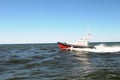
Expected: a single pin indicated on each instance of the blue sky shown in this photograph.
(48, 21)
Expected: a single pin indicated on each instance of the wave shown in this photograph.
(101, 48)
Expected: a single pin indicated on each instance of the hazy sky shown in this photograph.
(38, 21)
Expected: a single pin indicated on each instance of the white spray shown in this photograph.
(100, 49)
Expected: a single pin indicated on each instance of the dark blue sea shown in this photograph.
(48, 62)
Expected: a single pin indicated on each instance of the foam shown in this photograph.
(102, 48)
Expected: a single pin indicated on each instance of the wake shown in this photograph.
(100, 49)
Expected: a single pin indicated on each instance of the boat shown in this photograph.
(83, 43)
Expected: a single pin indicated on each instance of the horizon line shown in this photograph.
(56, 42)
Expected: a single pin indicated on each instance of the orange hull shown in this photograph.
(64, 46)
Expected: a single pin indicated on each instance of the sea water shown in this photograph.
(48, 62)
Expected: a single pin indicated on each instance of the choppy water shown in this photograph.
(47, 62)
